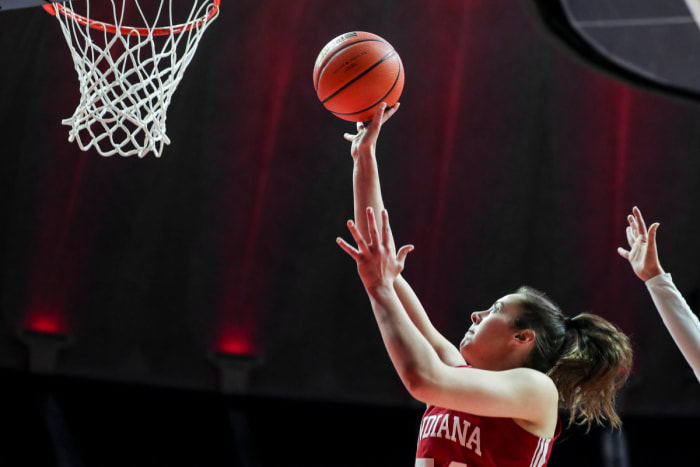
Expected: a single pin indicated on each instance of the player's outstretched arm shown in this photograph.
(521, 393)
(367, 192)
(681, 322)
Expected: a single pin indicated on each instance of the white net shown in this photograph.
(128, 72)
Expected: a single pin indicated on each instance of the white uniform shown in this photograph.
(681, 322)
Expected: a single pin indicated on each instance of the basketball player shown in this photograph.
(495, 399)
(681, 322)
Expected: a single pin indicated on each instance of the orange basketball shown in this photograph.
(355, 72)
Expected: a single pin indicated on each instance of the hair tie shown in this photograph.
(567, 322)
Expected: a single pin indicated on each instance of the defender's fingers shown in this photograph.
(348, 249)
(640, 220)
(630, 237)
(349, 136)
(361, 243)
(652, 233)
(372, 225)
(624, 253)
(633, 224)
(360, 126)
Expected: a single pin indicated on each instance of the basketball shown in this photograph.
(355, 72)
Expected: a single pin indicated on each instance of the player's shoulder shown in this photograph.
(522, 375)
(525, 378)
(529, 377)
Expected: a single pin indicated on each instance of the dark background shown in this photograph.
(509, 163)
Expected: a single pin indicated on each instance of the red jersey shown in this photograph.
(448, 438)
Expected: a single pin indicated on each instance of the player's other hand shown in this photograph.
(377, 264)
(642, 255)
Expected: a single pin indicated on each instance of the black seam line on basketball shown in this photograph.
(328, 59)
(398, 75)
(358, 77)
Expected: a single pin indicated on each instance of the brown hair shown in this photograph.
(587, 357)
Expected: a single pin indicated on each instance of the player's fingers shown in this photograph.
(386, 229)
(390, 111)
(361, 244)
(348, 249)
(349, 137)
(360, 126)
(403, 252)
(378, 116)
(372, 225)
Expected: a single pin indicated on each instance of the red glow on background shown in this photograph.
(47, 321)
(620, 206)
(236, 345)
(239, 303)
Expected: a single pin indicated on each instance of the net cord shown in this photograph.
(124, 98)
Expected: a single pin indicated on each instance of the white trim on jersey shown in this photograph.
(539, 458)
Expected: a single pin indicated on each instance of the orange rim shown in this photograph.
(55, 8)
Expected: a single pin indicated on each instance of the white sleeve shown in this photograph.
(681, 322)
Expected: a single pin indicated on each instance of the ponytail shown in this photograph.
(595, 364)
(588, 358)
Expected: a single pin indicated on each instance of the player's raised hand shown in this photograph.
(365, 140)
(642, 255)
(376, 262)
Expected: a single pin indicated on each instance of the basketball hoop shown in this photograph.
(128, 74)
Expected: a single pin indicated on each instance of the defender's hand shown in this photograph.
(642, 255)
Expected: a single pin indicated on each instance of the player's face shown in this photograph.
(491, 336)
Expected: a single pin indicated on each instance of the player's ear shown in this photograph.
(525, 336)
